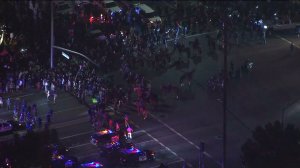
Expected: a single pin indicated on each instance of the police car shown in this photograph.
(133, 156)
(60, 156)
(91, 165)
(5, 127)
(103, 137)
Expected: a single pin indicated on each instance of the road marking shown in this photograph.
(69, 123)
(77, 146)
(75, 135)
(286, 40)
(51, 102)
(193, 35)
(60, 111)
(183, 137)
(169, 163)
(139, 131)
(167, 148)
(18, 96)
(140, 143)
(161, 144)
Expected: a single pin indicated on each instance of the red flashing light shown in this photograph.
(91, 19)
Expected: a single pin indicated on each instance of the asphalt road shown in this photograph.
(175, 128)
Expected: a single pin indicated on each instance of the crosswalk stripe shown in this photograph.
(75, 135)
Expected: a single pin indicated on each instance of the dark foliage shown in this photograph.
(29, 150)
(273, 146)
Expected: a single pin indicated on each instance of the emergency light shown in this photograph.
(94, 101)
(65, 55)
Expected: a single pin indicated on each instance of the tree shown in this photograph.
(273, 146)
(29, 150)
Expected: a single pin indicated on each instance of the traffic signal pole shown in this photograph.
(52, 38)
(225, 78)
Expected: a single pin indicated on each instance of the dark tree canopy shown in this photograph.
(273, 146)
(29, 150)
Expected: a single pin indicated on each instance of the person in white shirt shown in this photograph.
(129, 132)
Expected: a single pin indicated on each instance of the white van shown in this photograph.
(149, 13)
(112, 6)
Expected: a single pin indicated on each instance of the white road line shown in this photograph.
(18, 96)
(161, 144)
(60, 111)
(139, 131)
(143, 142)
(51, 102)
(167, 148)
(173, 130)
(169, 163)
(183, 137)
(75, 135)
(69, 123)
(26, 95)
(88, 132)
(77, 146)
(286, 40)
(193, 35)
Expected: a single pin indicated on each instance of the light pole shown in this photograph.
(52, 46)
(225, 93)
(52, 38)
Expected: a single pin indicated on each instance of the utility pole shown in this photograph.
(225, 91)
(52, 37)
(201, 155)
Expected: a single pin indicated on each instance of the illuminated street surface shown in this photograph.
(175, 128)
(198, 119)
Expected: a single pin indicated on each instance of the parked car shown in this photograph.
(133, 156)
(103, 137)
(5, 127)
(60, 156)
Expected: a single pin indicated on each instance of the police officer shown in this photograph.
(292, 48)
(8, 103)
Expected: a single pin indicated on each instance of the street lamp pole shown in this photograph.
(225, 78)
(52, 38)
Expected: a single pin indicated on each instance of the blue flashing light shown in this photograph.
(92, 164)
(137, 10)
(105, 131)
(132, 150)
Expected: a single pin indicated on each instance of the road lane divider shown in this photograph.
(288, 41)
(75, 135)
(167, 148)
(80, 145)
(184, 138)
(68, 109)
(69, 123)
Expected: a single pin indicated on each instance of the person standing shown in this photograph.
(292, 48)
(126, 121)
(117, 128)
(8, 103)
(48, 94)
(129, 132)
(54, 96)
(1, 102)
